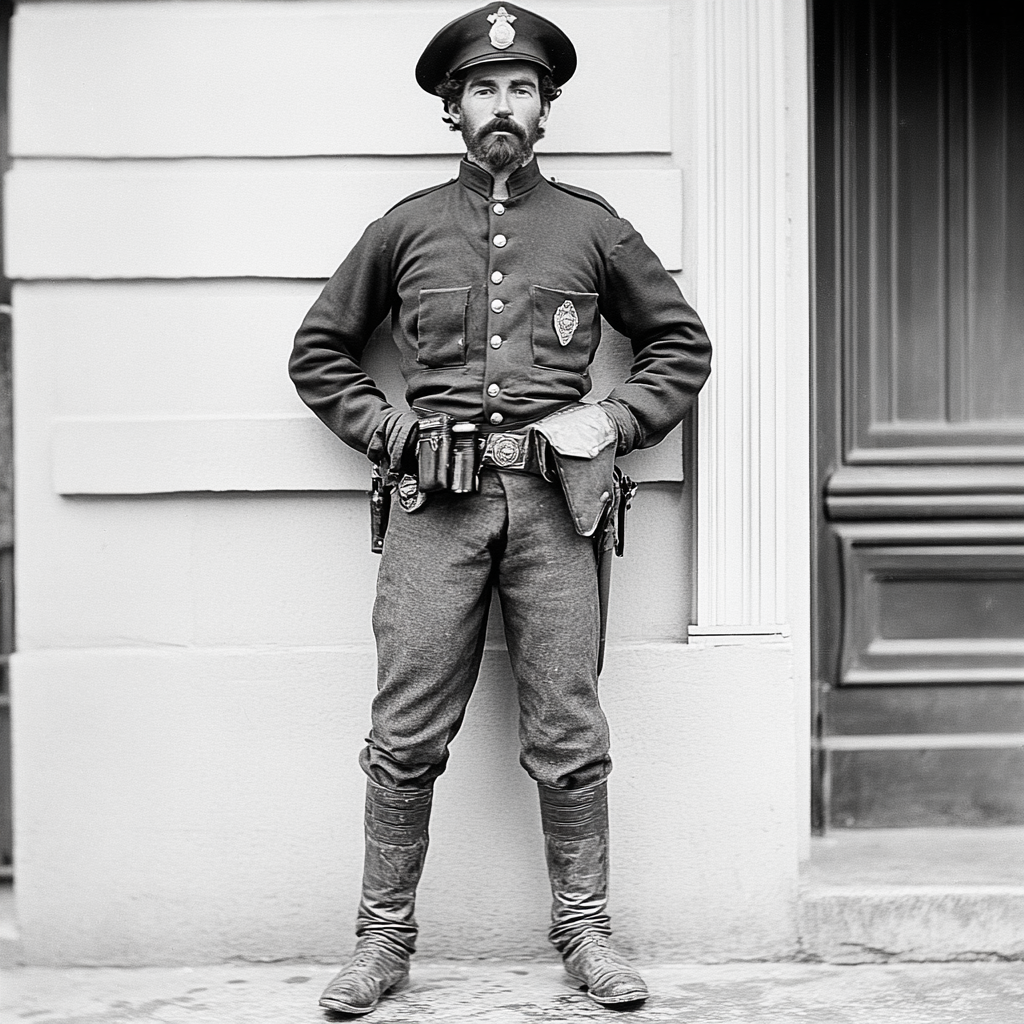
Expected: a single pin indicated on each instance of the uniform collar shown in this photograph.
(475, 178)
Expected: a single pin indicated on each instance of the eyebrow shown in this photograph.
(494, 81)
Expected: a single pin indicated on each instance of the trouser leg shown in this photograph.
(396, 838)
(433, 592)
(429, 619)
(547, 580)
(548, 587)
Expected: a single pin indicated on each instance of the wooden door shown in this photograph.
(919, 562)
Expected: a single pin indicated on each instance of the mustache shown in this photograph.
(501, 124)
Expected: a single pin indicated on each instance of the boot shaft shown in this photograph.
(397, 817)
(574, 814)
(575, 824)
(396, 830)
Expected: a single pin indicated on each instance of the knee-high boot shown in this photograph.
(396, 844)
(576, 844)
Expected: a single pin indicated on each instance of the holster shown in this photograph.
(609, 540)
(576, 447)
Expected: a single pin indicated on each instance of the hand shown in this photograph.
(408, 461)
(626, 427)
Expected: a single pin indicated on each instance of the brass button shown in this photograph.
(495, 341)
(497, 305)
(500, 240)
(493, 390)
(499, 209)
(497, 277)
(496, 418)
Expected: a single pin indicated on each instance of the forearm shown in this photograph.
(662, 385)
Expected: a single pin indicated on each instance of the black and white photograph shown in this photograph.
(511, 513)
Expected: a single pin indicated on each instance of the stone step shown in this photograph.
(10, 947)
(878, 895)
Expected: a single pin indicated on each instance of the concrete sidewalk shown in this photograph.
(509, 993)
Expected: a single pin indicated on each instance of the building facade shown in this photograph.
(194, 659)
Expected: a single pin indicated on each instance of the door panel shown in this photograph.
(932, 153)
(919, 562)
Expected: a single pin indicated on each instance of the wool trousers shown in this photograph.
(438, 569)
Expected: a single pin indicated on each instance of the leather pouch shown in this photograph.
(576, 446)
(434, 452)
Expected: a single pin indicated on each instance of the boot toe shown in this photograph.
(619, 990)
(360, 984)
(349, 995)
(610, 980)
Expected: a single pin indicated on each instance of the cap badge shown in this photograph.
(566, 321)
(502, 33)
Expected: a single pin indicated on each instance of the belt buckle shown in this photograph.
(507, 451)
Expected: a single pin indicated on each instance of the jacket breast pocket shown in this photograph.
(566, 328)
(441, 326)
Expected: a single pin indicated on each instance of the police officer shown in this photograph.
(496, 283)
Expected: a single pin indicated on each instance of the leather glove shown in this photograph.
(580, 430)
(626, 426)
(395, 440)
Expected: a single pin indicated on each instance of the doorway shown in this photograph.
(919, 407)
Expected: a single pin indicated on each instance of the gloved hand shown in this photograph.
(626, 426)
(395, 440)
(580, 430)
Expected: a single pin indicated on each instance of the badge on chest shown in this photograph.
(566, 321)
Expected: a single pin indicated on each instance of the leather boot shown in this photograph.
(576, 844)
(396, 844)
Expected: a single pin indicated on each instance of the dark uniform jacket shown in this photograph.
(473, 287)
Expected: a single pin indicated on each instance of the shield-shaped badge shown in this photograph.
(502, 33)
(566, 321)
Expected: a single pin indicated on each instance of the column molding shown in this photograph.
(752, 289)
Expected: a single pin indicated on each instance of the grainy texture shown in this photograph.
(503, 993)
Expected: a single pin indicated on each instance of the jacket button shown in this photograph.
(500, 240)
(496, 418)
(497, 305)
(499, 209)
(495, 341)
(497, 277)
(493, 390)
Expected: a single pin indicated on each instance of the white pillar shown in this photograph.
(752, 290)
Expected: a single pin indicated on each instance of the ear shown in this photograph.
(454, 111)
(545, 109)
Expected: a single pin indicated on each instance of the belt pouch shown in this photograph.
(465, 458)
(434, 452)
(578, 443)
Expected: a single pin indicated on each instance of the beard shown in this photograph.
(500, 152)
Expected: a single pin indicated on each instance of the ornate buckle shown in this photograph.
(506, 451)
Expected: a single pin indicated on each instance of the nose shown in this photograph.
(502, 107)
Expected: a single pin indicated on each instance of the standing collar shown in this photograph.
(475, 178)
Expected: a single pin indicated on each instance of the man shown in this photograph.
(496, 283)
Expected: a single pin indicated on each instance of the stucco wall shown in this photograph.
(204, 805)
(194, 580)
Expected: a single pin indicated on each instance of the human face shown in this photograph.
(500, 113)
